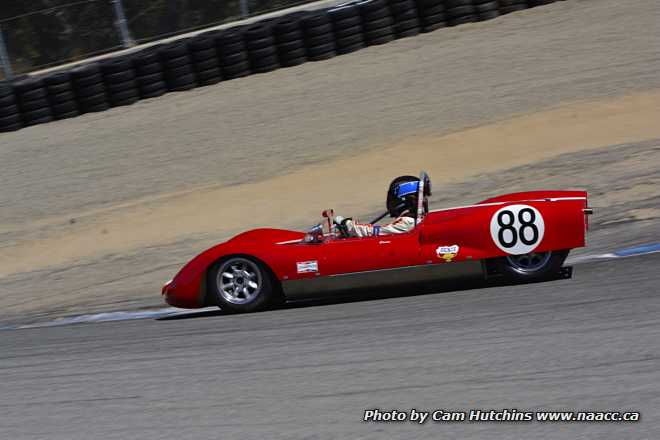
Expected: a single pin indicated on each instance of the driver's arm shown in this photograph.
(398, 226)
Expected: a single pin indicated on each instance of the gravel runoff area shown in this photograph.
(65, 179)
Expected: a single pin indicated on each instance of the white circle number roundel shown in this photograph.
(517, 229)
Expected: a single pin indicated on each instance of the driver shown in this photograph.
(401, 205)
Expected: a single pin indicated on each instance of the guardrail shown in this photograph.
(220, 55)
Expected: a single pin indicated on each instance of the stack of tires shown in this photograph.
(319, 36)
(289, 40)
(377, 21)
(232, 52)
(261, 48)
(460, 12)
(205, 59)
(486, 9)
(61, 95)
(10, 114)
(33, 101)
(431, 14)
(178, 67)
(533, 3)
(406, 21)
(508, 6)
(149, 73)
(90, 88)
(120, 81)
(347, 24)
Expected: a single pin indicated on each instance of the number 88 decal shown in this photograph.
(517, 229)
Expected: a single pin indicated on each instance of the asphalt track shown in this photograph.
(310, 370)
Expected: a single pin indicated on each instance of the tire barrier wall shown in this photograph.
(219, 55)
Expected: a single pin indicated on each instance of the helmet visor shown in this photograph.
(407, 188)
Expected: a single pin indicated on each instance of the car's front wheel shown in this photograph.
(241, 284)
(531, 266)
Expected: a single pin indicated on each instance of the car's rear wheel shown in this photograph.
(241, 284)
(531, 266)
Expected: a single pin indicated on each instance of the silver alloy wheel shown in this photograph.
(529, 263)
(239, 280)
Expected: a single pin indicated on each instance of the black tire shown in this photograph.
(434, 26)
(381, 40)
(512, 268)
(296, 35)
(206, 64)
(463, 20)
(7, 100)
(432, 10)
(433, 19)
(345, 32)
(317, 40)
(410, 32)
(10, 127)
(156, 92)
(37, 113)
(92, 101)
(290, 46)
(9, 110)
(149, 69)
(315, 51)
(234, 58)
(403, 26)
(318, 30)
(377, 24)
(10, 119)
(267, 294)
(460, 11)
(93, 108)
(293, 61)
(116, 65)
(64, 96)
(348, 22)
(34, 104)
(486, 7)
(352, 48)
(151, 78)
(64, 107)
(173, 63)
(183, 82)
(176, 72)
(147, 89)
(350, 40)
(66, 115)
(209, 74)
(512, 8)
(344, 12)
(92, 89)
(120, 87)
(378, 33)
(489, 15)
(199, 43)
(534, 3)
(237, 70)
(204, 55)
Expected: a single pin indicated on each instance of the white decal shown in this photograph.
(517, 229)
(447, 253)
(307, 266)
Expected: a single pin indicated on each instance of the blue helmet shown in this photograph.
(402, 195)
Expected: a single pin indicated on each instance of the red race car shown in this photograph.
(521, 236)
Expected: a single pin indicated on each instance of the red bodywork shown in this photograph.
(466, 227)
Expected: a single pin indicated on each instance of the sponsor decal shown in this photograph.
(447, 253)
(307, 266)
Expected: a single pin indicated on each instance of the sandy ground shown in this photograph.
(103, 208)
